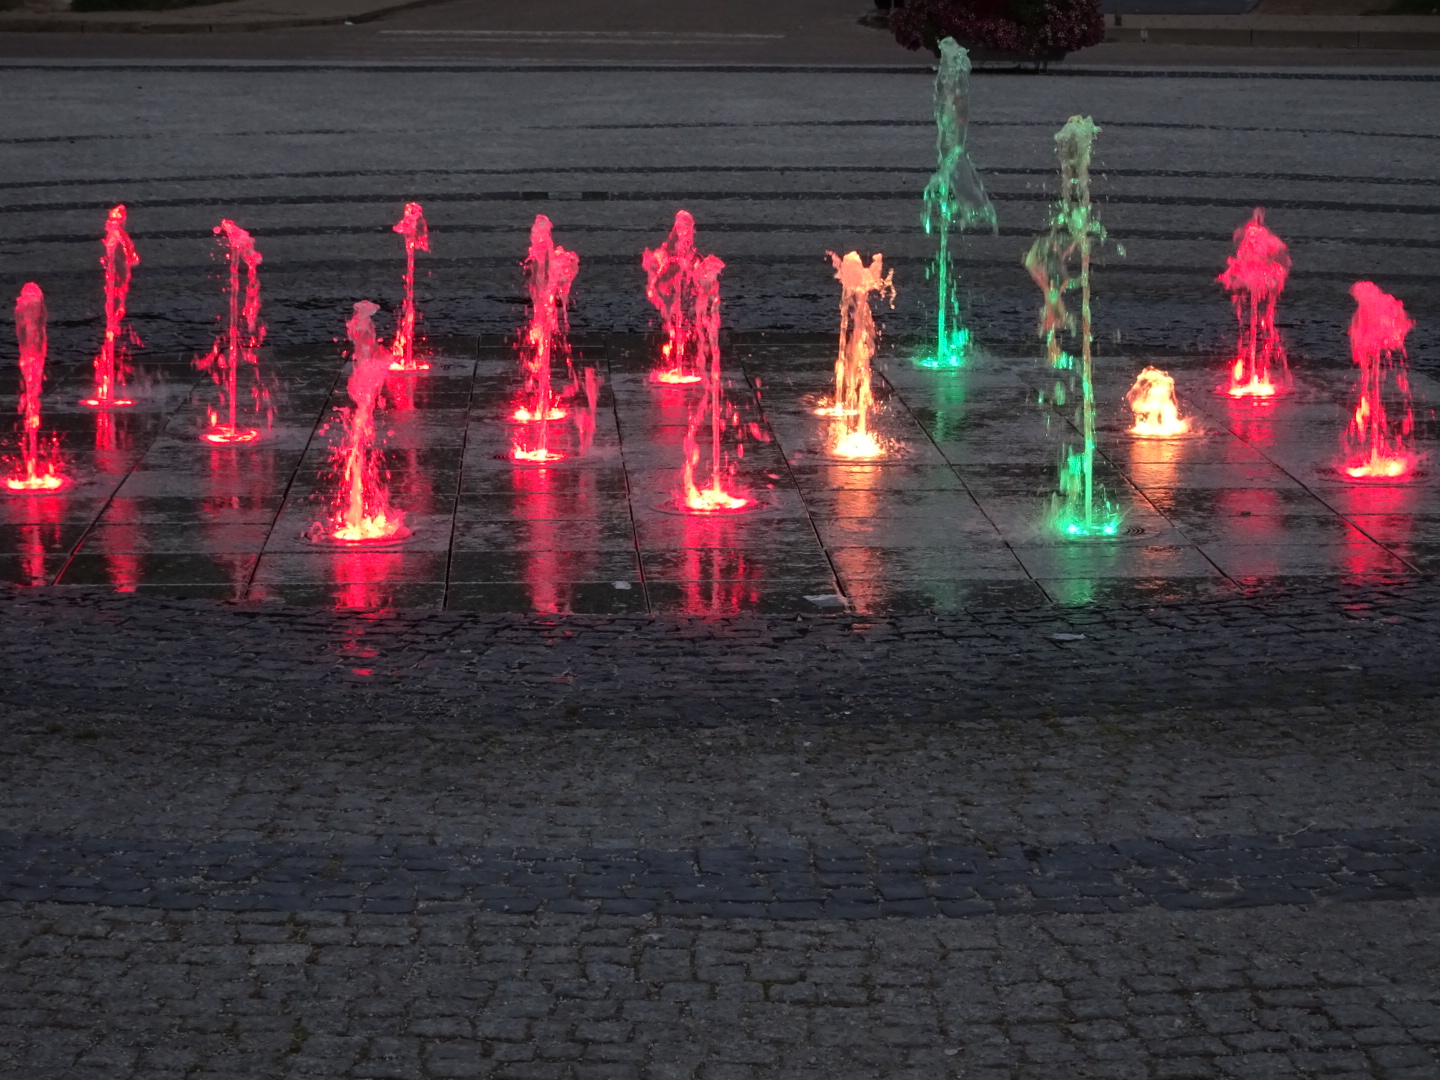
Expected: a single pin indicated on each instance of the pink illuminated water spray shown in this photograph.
(549, 272)
(364, 512)
(417, 238)
(112, 361)
(673, 283)
(1377, 446)
(718, 494)
(1255, 277)
(239, 345)
(38, 469)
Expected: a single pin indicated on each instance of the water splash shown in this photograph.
(585, 414)
(38, 469)
(112, 362)
(1059, 261)
(239, 345)
(1375, 446)
(853, 401)
(1255, 277)
(549, 271)
(417, 238)
(1152, 400)
(954, 199)
(674, 274)
(716, 496)
(363, 511)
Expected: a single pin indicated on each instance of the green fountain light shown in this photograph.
(1059, 261)
(954, 199)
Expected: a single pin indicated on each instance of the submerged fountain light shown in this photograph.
(549, 271)
(851, 405)
(675, 276)
(1255, 277)
(1059, 261)
(240, 344)
(363, 512)
(417, 238)
(719, 493)
(119, 259)
(1376, 446)
(954, 199)
(1152, 400)
(38, 469)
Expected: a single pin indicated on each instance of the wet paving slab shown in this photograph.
(953, 516)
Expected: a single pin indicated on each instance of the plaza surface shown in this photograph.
(955, 515)
(1158, 807)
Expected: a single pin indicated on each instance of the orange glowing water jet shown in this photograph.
(1375, 446)
(851, 405)
(549, 272)
(364, 513)
(112, 361)
(674, 281)
(710, 406)
(38, 469)
(1255, 277)
(1152, 400)
(239, 345)
(417, 238)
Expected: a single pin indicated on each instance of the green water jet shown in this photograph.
(955, 200)
(1059, 261)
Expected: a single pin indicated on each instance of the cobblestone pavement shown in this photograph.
(989, 842)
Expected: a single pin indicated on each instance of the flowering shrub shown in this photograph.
(1036, 28)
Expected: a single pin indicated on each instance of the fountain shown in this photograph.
(1374, 446)
(417, 238)
(112, 361)
(954, 199)
(38, 469)
(674, 274)
(549, 271)
(703, 328)
(1255, 277)
(363, 512)
(1152, 400)
(852, 402)
(239, 345)
(585, 415)
(1082, 507)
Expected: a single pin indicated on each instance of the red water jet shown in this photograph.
(417, 238)
(363, 512)
(549, 272)
(711, 405)
(1255, 277)
(112, 361)
(1374, 446)
(673, 282)
(38, 469)
(239, 345)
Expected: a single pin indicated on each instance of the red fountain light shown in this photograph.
(1152, 400)
(417, 238)
(673, 274)
(1255, 277)
(239, 345)
(853, 401)
(112, 361)
(1375, 447)
(711, 405)
(364, 513)
(38, 469)
(549, 271)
